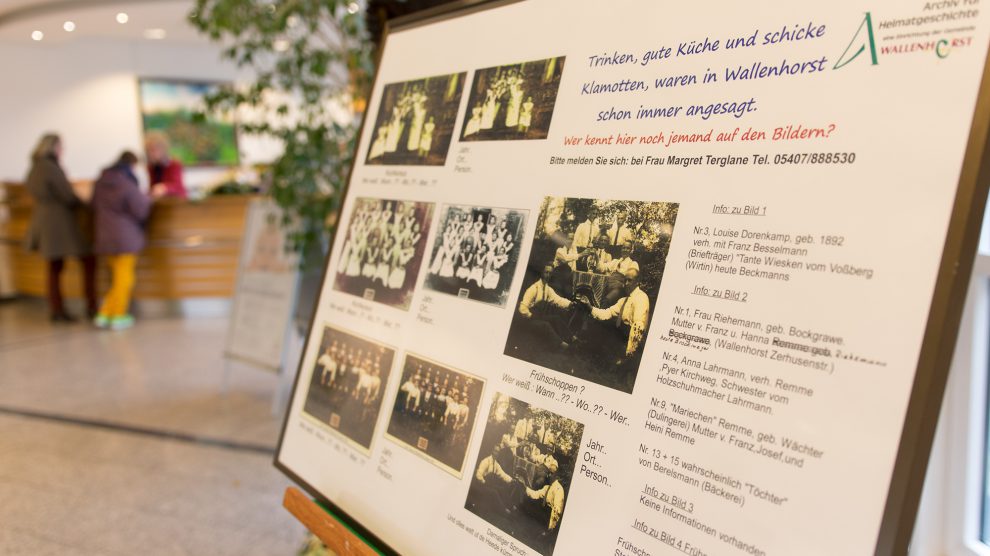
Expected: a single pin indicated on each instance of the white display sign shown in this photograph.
(266, 287)
(643, 277)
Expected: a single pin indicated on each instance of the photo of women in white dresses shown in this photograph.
(475, 253)
(513, 102)
(383, 250)
(415, 121)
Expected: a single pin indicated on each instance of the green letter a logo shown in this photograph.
(861, 42)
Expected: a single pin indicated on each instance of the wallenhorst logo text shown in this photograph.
(940, 47)
(864, 40)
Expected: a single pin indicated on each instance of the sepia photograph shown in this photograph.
(434, 412)
(475, 253)
(348, 383)
(415, 122)
(590, 287)
(383, 250)
(513, 102)
(524, 470)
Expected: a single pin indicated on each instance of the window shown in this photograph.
(954, 517)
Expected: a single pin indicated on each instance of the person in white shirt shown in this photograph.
(489, 467)
(618, 233)
(597, 259)
(618, 268)
(624, 262)
(551, 495)
(630, 314)
(537, 308)
(586, 231)
(540, 293)
(329, 364)
(566, 254)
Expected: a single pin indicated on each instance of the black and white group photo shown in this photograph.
(434, 412)
(524, 470)
(591, 286)
(415, 121)
(475, 252)
(513, 102)
(348, 383)
(383, 250)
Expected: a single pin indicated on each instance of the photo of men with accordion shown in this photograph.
(591, 284)
(523, 472)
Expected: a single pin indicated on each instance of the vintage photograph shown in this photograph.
(170, 107)
(475, 253)
(590, 287)
(383, 250)
(513, 102)
(348, 382)
(434, 412)
(415, 121)
(523, 475)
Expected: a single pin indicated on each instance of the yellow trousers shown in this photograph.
(118, 299)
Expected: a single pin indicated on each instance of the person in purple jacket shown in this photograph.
(120, 209)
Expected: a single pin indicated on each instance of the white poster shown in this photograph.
(266, 286)
(637, 277)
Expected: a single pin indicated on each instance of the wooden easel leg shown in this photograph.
(333, 533)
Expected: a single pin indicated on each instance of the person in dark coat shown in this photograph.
(55, 230)
(121, 210)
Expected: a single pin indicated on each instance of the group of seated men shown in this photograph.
(521, 473)
(623, 306)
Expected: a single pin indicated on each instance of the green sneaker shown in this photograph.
(121, 323)
(101, 321)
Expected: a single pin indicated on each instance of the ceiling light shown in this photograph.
(154, 34)
(122, 18)
(37, 35)
(69, 26)
(353, 8)
(280, 45)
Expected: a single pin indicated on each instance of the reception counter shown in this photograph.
(192, 249)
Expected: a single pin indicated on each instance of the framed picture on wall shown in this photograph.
(169, 106)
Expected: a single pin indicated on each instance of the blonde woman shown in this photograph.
(55, 230)
(164, 173)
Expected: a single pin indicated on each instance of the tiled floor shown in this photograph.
(77, 489)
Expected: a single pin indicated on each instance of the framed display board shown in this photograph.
(267, 277)
(648, 278)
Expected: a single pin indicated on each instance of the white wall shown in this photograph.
(86, 90)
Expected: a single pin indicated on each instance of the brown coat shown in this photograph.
(55, 229)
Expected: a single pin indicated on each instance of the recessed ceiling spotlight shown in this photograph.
(69, 26)
(122, 18)
(37, 35)
(280, 45)
(353, 8)
(155, 34)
